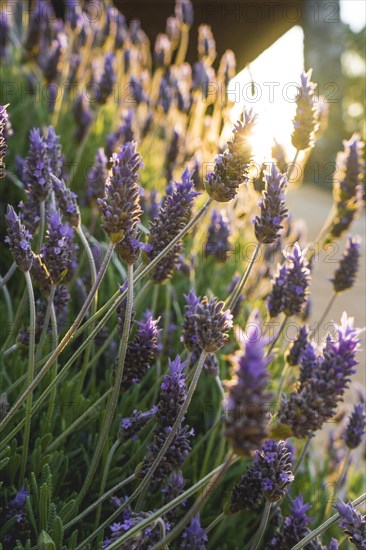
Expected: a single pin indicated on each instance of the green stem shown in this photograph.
(155, 515)
(302, 455)
(215, 522)
(178, 421)
(293, 163)
(42, 214)
(113, 400)
(197, 505)
(8, 303)
(262, 528)
(65, 340)
(46, 323)
(17, 320)
(104, 479)
(99, 501)
(108, 309)
(237, 291)
(54, 367)
(30, 374)
(93, 271)
(325, 526)
(326, 311)
(8, 275)
(274, 341)
(282, 380)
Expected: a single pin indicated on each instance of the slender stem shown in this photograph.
(215, 522)
(262, 528)
(113, 400)
(42, 214)
(65, 340)
(10, 350)
(145, 482)
(197, 505)
(100, 500)
(221, 389)
(274, 341)
(324, 526)
(326, 311)
(108, 309)
(30, 373)
(339, 478)
(183, 45)
(46, 323)
(8, 302)
(8, 275)
(302, 455)
(282, 380)
(93, 271)
(293, 164)
(18, 317)
(104, 479)
(235, 295)
(54, 367)
(144, 523)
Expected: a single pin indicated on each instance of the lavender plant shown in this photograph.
(129, 406)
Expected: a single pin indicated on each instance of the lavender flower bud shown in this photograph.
(131, 426)
(51, 59)
(212, 324)
(120, 206)
(189, 337)
(298, 279)
(345, 275)
(247, 494)
(175, 455)
(353, 523)
(218, 237)
(232, 166)
(273, 209)
(172, 153)
(246, 422)
(61, 302)
(355, 428)
(174, 214)
(346, 213)
(194, 537)
(323, 381)
(37, 168)
(96, 177)
(3, 134)
(350, 166)
(130, 247)
(56, 252)
(279, 155)
(206, 44)
(174, 487)
(273, 466)
(172, 393)
(19, 240)
(40, 275)
(67, 202)
(184, 12)
(54, 152)
(227, 68)
(305, 121)
(275, 297)
(140, 352)
(297, 347)
(295, 528)
(162, 51)
(107, 80)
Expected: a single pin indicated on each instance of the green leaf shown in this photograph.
(44, 504)
(45, 542)
(58, 532)
(66, 509)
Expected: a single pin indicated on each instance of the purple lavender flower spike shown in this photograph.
(120, 206)
(5, 130)
(172, 393)
(141, 351)
(194, 536)
(19, 240)
(212, 324)
(189, 337)
(82, 116)
(273, 466)
(184, 12)
(174, 214)
(54, 152)
(162, 51)
(246, 407)
(275, 297)
(273, 208)
(132, 425)
(16, 509)
(322, 383)
(355, 428)
(67, 202)
(51, 59)
(56, 252)
(232, 166)
(353, 523)
(107, 80)
(297, 347)
(345, 275)
(294, 528)
(247, 493)
(298, 278)
(305, 121)
(97, 177)
(37, 168)
(218, 234)
(206, 43)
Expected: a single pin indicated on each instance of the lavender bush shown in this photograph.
(145, 400)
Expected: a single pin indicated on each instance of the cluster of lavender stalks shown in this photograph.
(125, 340)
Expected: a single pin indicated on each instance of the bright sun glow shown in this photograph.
(276, 75)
